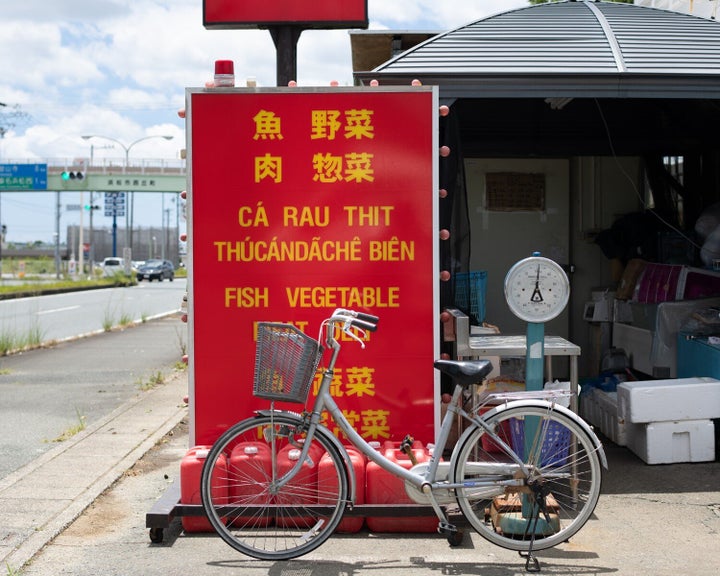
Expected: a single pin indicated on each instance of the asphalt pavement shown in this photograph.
(80, 509)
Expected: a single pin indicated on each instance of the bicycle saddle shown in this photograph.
(464, 372)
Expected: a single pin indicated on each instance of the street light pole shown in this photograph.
(127, 148)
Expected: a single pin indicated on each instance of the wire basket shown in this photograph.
(556, 443)
(285, 362)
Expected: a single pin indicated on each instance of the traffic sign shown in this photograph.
(23, 176)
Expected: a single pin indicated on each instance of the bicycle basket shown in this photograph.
(285, 362)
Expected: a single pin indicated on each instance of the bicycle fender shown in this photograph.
(325, 433)
(566, 411)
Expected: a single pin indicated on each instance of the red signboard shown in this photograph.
(301, 201)
(314, 14)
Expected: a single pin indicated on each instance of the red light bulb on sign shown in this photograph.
(224, 74)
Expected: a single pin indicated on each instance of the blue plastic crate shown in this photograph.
(470, 294)
(555, 446)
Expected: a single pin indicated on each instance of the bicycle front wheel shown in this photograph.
(250, 510)
(558, 497)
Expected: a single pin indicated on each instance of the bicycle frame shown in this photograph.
(427, 483)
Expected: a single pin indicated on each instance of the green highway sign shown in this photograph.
(121, 182)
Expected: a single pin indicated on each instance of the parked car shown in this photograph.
(112, 266)
(156, 270)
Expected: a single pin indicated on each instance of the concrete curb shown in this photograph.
(43, 497)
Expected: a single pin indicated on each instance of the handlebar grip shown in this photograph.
(364, 325)
(367, 317)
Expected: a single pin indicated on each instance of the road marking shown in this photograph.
(58, 310)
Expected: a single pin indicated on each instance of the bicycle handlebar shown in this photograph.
(360, 320)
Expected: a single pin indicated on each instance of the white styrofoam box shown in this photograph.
(637, 342)
(673, 442)
(588, 407)
(610, 422)
(677, 399)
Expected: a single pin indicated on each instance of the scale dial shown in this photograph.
(537, 289)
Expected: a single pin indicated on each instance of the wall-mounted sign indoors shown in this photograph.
(227, 14)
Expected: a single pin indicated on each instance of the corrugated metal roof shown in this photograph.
(604, 43)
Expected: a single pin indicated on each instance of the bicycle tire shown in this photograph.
(566, 473)
(245, 508)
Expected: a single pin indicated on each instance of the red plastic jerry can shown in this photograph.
(328, 482)
(249, 471)
(302, 489)
(384, 488)
(190, 474)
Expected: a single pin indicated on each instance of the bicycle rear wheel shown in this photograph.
(560, 494)
(246, 507)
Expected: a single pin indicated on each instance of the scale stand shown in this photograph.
(536, 290)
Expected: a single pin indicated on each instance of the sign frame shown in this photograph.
(221, 335)
(34, 175)
(323, 14)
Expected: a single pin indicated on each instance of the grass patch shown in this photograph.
(154, 380)
(12, 342)
(125, 319)
(73, 430)
(37, 288)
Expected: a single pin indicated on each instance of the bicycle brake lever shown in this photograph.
(346, 329)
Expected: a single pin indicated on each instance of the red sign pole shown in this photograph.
(300, 201)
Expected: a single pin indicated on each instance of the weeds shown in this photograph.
(73, 430)
(125, 319)
(155, 380)
(11, 341)
(181, 341)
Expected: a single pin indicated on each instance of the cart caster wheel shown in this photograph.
(456, 538)
(156, 535)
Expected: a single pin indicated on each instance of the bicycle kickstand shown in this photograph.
(532, 564)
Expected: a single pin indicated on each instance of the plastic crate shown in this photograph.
(555, 446)
(470, 294)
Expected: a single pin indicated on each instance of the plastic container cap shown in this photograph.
(224, 67)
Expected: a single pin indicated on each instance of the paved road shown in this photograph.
(651, 520)
(61, 316)
(46, 392)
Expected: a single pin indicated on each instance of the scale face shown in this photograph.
(537, 289)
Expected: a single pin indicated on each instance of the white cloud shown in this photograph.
(119, 68)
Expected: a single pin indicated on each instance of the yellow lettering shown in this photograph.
(306, 216)
(343, 296)
(392, 250)
(368, 215)
(246, 297)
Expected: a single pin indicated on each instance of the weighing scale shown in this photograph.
(536, 290)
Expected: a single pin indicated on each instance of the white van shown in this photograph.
(112, 266)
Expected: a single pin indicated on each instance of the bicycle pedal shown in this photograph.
(452, 534)
(447, 529)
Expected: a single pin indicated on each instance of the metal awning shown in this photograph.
(573, 49)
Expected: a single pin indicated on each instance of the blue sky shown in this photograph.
(119, 68)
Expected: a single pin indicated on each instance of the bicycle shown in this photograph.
(525, 474)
